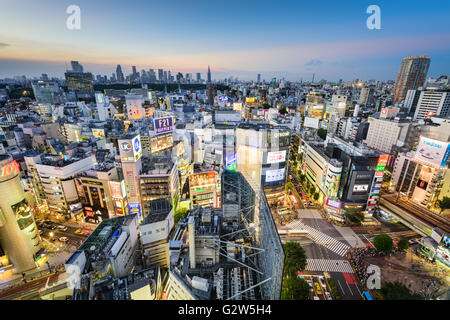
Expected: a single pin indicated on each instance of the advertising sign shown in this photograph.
(11, 168)
(163, 125)
(334, 203)
(98, 133)
(274, 175)
(276, 156)
(116, 190)
(231, 163)
(311, 123)
(433, 151)
(202, 182)
(161, 143)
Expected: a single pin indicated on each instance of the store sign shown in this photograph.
(125, 146)
(163, 125)
(276, 156)
(334, 203)
(11, 168)
(360, 187)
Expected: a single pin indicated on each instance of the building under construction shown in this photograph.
(232, 253)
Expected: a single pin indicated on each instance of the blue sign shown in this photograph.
(163, 125)
(136, 144)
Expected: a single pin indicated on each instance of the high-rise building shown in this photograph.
(412, 74)
(160, 75)
(209, 75)
(432, 103)
(199, 77)
(76, 66)
(79, 81)
(259, 78)
(18, 231)
(119, 74)
(45, 91)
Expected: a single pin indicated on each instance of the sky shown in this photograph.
(292, 39)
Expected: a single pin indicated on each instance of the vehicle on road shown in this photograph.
(63, 239)
(322, 281)
(328, 296)
(62, 228)
(317, 286)
(50, 226)
(316, 298)
(310, 284)
(78, 231)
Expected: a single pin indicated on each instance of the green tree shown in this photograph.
(383, 243)
(294, 288)
(289, 186)
(397, 291)
(316, 196)
(354, 216)
(178, 215)
(403, 245)
(322, 133)
(295, 258)
(302, 177)
(444, 203)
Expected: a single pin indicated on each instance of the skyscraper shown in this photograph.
(160, 74)
(119, 74)
(413, 71)
(259, 78)
(209, 75)
(76, 67)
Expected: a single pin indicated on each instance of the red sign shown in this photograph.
(10, 168)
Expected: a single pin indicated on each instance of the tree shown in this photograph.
(397, 291)
(354, 215)
(444, 203)
(383, 243)
(316, 196)
(322, 133)
(289, 186)
(312, 190)
(294, 288)
(302, 177)
(178, 215)
(295, 258)
(403, 245)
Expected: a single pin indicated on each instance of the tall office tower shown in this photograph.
(18, 231)
(119, 74)
(259, 78)
(134, 69)
(209, 75)
(79, 81)
(45, 91)
(76, 67)
(44, 77)
(412, 74)
(199, 77)
(160, 74)
(165, 76)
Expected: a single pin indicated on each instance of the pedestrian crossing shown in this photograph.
(328, 265)
(321, 238)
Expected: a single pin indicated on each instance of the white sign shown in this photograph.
(433, 151)
(276, 156)
(274, 175)
(360, 187)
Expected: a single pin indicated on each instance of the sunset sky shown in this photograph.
(291, 39)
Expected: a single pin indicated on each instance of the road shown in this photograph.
(326, 249)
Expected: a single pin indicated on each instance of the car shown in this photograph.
(322, 281)
(310, 284)
(316, 298)
(50, 227)
(86, 231)
(78, 231)
(317, 286)
(328, 296)
(63, 239)
(62, 228)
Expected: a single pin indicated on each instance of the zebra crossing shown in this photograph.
(328, 265)
(321, 238)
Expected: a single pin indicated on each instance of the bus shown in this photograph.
(367, 296)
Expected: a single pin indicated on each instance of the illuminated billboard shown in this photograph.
(274, 175)
(433, 151)
(360, 187)
(98, 133)
(117, 189)
(334, 203)
(163, 125)
(231, 162)
(161, 143)
(276, 156)
(130, 149)
(204, 182)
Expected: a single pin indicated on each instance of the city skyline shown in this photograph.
(294, 45)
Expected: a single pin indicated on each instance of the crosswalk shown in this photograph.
(328, 265)
(321, 238)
